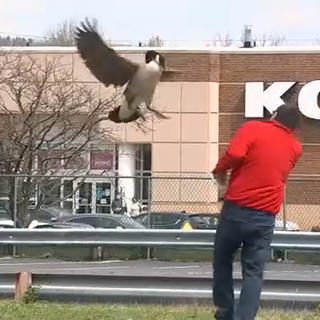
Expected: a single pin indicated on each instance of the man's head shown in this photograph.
(289, 116)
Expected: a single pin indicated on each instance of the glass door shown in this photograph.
(83, 197)
(67, 194)
(103, 197)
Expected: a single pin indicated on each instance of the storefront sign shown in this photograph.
(257, 98)
(100, 160)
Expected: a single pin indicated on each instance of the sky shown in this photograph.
(181, 22)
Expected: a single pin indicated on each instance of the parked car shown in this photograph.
(290, 226)
(49, 214)
(172, 220)
(211, 219)
(6, 221)
(109, 221)
(54, 225)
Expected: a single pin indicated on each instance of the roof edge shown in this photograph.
(221, 50)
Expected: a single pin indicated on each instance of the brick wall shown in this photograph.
(193, 67)
(232, 71)
(235, 70)
(241, 67)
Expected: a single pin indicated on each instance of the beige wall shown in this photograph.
(192, 127)
(185, 144)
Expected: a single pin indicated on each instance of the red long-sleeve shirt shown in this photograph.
(261, 156)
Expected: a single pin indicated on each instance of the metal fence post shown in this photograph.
(149, 211)
(15, 209)
(285, 253)
(285, 209)
(15, 198)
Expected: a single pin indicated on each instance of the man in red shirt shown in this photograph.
(260, 156)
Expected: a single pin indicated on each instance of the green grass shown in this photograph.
(52, 311)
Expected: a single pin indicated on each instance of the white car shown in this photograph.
(34, 223)
(54, 225)
(290, 226)
(6, 223)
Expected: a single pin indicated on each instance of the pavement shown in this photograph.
(281, 271)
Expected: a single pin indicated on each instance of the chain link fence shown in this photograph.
(21, 197)
(24, 199)
(302, 203)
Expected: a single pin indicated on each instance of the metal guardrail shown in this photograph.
(74, 287)
(156, 289)
(145, 238)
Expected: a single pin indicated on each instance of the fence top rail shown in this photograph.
(99, 176)
(149, 232)
(308, 177)
(194, 176)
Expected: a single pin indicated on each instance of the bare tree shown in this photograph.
(222, 40)
(15, 41)
(270, 40)
(48, 122)
(155, 41)
(63, 34)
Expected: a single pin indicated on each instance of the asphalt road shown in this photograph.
(281, 270)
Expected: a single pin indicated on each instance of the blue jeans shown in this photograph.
(253, 229)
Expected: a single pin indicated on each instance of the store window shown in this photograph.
(4, 187)
(143, 173)
(68, 194)
(76, 161)
(48, 160)
(49, 191)
(84, 197)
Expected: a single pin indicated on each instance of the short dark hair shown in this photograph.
(288, 116)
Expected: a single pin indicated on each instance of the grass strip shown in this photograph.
(54, 311)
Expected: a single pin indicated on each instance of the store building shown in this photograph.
(215, 91)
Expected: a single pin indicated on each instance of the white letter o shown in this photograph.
(308, 100)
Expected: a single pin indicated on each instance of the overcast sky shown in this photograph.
(175, 20)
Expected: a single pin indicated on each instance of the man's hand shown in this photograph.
(221, 178)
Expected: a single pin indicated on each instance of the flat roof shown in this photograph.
(256, 50)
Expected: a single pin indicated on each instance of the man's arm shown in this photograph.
(237, 149)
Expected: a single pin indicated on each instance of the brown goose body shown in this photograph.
(110, 68)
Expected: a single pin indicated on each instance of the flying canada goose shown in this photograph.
(110, 68)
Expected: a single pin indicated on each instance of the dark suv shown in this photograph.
(172, 220)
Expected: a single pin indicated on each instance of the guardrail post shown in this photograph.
(23, 283)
